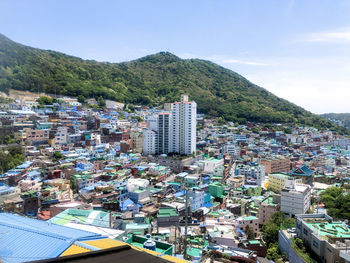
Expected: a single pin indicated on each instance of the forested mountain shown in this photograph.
(150, 80)
(344, 118)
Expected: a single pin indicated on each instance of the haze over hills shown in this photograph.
(150, 80)
(343, 118)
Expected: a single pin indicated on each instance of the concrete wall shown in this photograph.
(284, 246)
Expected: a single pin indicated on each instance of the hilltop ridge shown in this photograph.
(150, 80)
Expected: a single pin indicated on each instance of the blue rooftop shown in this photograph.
(24, 165)
(26, 239)
(181, 193)
(124, 205)
(303, 171)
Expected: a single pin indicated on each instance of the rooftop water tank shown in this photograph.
(149, 244)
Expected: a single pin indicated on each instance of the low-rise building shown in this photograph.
(167, 217)
(277, 165)
(251, 221)
(267, 208)
(277, 181)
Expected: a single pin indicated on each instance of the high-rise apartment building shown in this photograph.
(149, 142)
(164, 131)
(184, 125)
(175, 128)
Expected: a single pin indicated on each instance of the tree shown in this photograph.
(270, 232)
(101, 102)
(56, 156)
(221, 121)
(272, 252)
(277, 218)
(10, 158)
(332, 191)
(299, 243)
(249, 232)
(8, 139)
(81, 99)
(131, 108)
(337, 202)
(46, 100)
(276, 222)
(288, 223)
(138, 118)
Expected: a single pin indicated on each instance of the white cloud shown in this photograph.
(244, 62)
(225, 60)
(337, 36)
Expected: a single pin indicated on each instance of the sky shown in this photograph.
(299, 50)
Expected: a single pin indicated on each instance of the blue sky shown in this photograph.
(297, 49)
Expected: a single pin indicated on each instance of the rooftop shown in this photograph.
(167, 212)
(269, 201)
(325, 229)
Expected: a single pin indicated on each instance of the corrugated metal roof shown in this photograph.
(43, 227)
(24, 239)
(74, 249)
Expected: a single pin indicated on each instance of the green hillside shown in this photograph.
(150, 80)
(344, 118)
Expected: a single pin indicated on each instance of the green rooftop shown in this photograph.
(281, 175)
(249, 218)
(324, 229)
(269, 201)
(194, 252)
(167, 212)
(254, 242)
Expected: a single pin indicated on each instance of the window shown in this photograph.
(305, 231)
(315, 243)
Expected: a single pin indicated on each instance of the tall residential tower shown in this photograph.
(175, 128)
(184, 125)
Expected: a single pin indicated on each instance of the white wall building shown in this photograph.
(176, 129)
(61, 136)
(149, 139)
(295, 199)
(210, 165)
(184, 125)
(255, 172)
(152, 121)
(196, 199)
(232, 149)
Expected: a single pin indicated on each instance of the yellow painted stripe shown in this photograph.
(74, 249)
(109, 243)
(105, 243)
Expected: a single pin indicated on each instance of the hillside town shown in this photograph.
(82, 175)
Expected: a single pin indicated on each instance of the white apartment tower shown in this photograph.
(174, 129)
(184, 126)
(149, 142)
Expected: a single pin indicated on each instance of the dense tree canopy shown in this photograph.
(337, 202)
(10, 158)
(270, 231)
(343, 117)
(150, 80)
